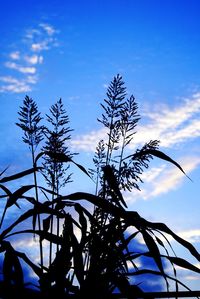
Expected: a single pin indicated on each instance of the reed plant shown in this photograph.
(54, 171)
(96, 253)
(29, 121)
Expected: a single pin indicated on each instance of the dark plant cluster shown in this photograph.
(90, 253)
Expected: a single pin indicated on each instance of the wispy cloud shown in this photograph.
(34, 59)
(15, 55)
(162, 179)
(20, 68)
(25, 61)
(11, 84)
(192, 236)
(171, 126)
(43, 38)
(50, 30)
(174, 125)
(88, 142)
(172, 177)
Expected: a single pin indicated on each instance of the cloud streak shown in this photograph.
(171, 126)
(174, 125)
(11, 84)
(24, 62)
(20, 68)
(163, 179)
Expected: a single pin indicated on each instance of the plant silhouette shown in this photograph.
(54, 171)
(92, 253)
(30, 119)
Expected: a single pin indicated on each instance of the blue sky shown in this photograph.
(72, 50)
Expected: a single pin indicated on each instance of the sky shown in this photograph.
(72, 50)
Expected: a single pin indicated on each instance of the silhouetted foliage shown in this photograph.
(54, 171)
(95, 251)
(55, 142)
(30, 119)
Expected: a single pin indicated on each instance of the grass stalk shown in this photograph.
(38, 215)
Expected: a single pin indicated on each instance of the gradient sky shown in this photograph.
(72, 49)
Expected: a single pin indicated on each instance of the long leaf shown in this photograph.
(46, 223)
(6, 190)
(19, 174)
(78, 259)
(160, 155)
(159, 241)
(157, 273)
(44, 235)
(153, 249)
(61, 157)
(133, 219)
(14, 197)
(12, 269)
(98, 201)
(83, 223)
(82, 169)
(39, 209)
(163, 227)
(18, 194)
(38, 157)
(35, 268)
(182, 263)
(4, 170)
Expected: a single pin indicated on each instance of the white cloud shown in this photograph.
(14, 85)
(31, 79)
(169, 125)
(50, 30)
(190, 131)
(40, 46)
(162, 179)
(89, 141)
(43, 40)
(32, 33)
(173, 177)
(20, 68)
(15, 55)
(174, 125)
(192, 236)
(27, 70)
(191, 277)
(30, 246)
(38, 40)
(45, 43)
(34, 59)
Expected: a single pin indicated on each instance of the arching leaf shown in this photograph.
(20, 174)
(158, 154)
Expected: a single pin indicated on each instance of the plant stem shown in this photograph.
(37, 199)
(58, 219)
(121, 155)
(51, 224)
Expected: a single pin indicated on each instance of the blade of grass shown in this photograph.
(19, 174)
